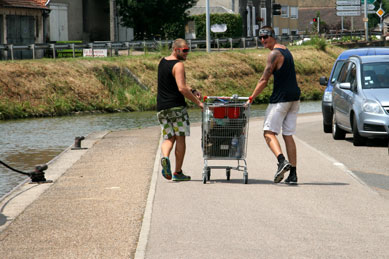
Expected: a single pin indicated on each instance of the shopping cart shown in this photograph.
(224, 133)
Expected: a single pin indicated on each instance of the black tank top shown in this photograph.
(285, 83)
(168, 95)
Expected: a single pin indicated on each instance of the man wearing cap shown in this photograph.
(171, 106)
(281, 114)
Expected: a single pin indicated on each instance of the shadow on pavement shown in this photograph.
(376, 142)
(259, 181)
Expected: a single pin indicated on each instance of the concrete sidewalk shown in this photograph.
(94, 208)
(330, 214)
(96, 205)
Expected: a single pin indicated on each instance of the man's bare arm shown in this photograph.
(179, 75)
(271, 65)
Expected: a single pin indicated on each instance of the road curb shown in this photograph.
(146, 222)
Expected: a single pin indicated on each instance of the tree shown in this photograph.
(374, 19)
(155, 18)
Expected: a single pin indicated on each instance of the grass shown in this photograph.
(48, 87)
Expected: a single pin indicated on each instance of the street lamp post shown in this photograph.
(207, 27)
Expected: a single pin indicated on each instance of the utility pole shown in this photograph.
(207, 27)
(382, 24)
(269, 13)
(366, 20)
(112, 26)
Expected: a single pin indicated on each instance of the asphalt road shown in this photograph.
(370, 163)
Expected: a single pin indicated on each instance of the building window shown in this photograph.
(285, 11)
(294, 13)
(294, 32)
(285, 31)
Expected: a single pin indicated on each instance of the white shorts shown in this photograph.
(281, 115)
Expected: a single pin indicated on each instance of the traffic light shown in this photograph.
(276, 9)
(315, 19)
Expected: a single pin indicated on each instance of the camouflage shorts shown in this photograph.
(174, 122)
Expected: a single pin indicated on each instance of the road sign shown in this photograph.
(348, 8)
(380, 12)
(368, 11)
(348, 13)
(368, 1)
(369, 7)
(348, 2)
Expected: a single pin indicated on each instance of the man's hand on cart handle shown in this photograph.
(249, 101)
(196, 93)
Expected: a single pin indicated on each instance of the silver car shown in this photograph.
(361, 99)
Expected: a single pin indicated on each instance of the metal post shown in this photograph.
(365, 21)
(217, 43)
(231, 43)
(112, 19)
(190, 45)
(11, 47)
(382, 25)
(208, 27)
(93, 51)
(32, 46)
(110, 48)
(74, 52)
(318, 26)
(352, 23)
(128, 48)
(256, 42)
(53, 47)
(253, 20)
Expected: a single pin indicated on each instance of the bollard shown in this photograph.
(77, 143)
(38, 176)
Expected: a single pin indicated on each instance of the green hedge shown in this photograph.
(233, 22)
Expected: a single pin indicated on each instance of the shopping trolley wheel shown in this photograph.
(208, 171)
(228, 173)
(245, 177)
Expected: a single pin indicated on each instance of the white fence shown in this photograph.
(33, 51)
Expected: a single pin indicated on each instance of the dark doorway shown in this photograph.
(20, 31)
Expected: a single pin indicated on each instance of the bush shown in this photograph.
(318, 42)
(233, 22)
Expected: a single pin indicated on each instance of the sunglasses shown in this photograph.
(185, 50)
(263, 37)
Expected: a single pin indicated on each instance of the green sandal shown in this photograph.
(166, 171)
(179, 176)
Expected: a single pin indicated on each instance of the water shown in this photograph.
(30, 142)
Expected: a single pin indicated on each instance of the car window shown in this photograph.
(337, 68)
(352, 76)
(343, 73)
(375, 75)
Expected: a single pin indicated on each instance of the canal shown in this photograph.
(29, 142)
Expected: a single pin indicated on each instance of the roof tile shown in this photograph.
(39, 4)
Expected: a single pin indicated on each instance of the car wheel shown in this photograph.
(327, 128)
(358, 140)
(337, 133)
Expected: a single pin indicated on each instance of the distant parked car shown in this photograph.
(360, 99)
(329, 83)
